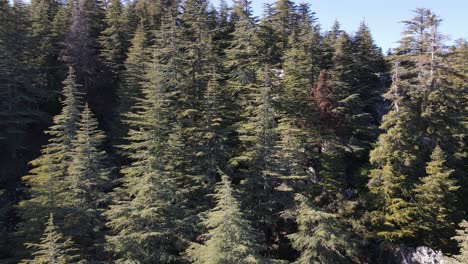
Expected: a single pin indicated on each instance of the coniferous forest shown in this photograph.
(169, 131)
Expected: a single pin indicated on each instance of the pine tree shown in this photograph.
(197, 43)
(46, 52)
(113, 39)
(435, 201)
(322, 237)
(53, 247)
(46, 181)
(240, 56)
(214, 133)
(62, 20)
(130, 88)
(258, 136)
(240, 66)
(296, 127)
(19, 99)
(328, 45)
(283, 21)
(400, 151)
(146, 218)
(200, 58)
(369, 71)
(394, 158)
(88, 175)
(230, 237)
(396, 164)
(462, 239)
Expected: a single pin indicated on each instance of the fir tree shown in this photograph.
(19, 99)
(148, 205)
(394, 158)
(53, 247)
(44, 54)
(283, 21)
(46, 181)
(396, 163)
(213, 132)
(462, 239)
(370, 68)
(132, 77)
(258, 136)
(88, 175)
(240, 56)
(322, 237)
(296, 132)
(197, 43)
(230, 237)
(435, 199)
(113, 38)
(62, 20)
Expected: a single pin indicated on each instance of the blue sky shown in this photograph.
(383, 16)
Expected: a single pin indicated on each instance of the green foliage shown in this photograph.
(421, 99)
(435, 199)
(53, 248)
(62, 20)
(295, 130)
(462, 239)
(395, 161)
(46, 182)
(283, 21)
(322, 237)
(230, 237)
(133, 73)
(87, 177)
(143, 215)
(286, 110)
(19, 98)
(113, 39)
(214, 132)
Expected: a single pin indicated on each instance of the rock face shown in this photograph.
(419, 255)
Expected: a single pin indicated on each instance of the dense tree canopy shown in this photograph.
(230, 138)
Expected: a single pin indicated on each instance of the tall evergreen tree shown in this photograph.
(400, 151)
(44, 54)
(230, 237)
(435, 201)
(149, 204)
(462, 239)
(46, 181)
(214, 133)
(19, 98)
(241, 60)
(88, 175)
(284, 20)
(113, 39)
(62, 20)
(297, 124)
(322, 237)
(53, 248)
(370, 68)
(130, 88)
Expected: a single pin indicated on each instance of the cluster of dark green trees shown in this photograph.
(230, 139)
